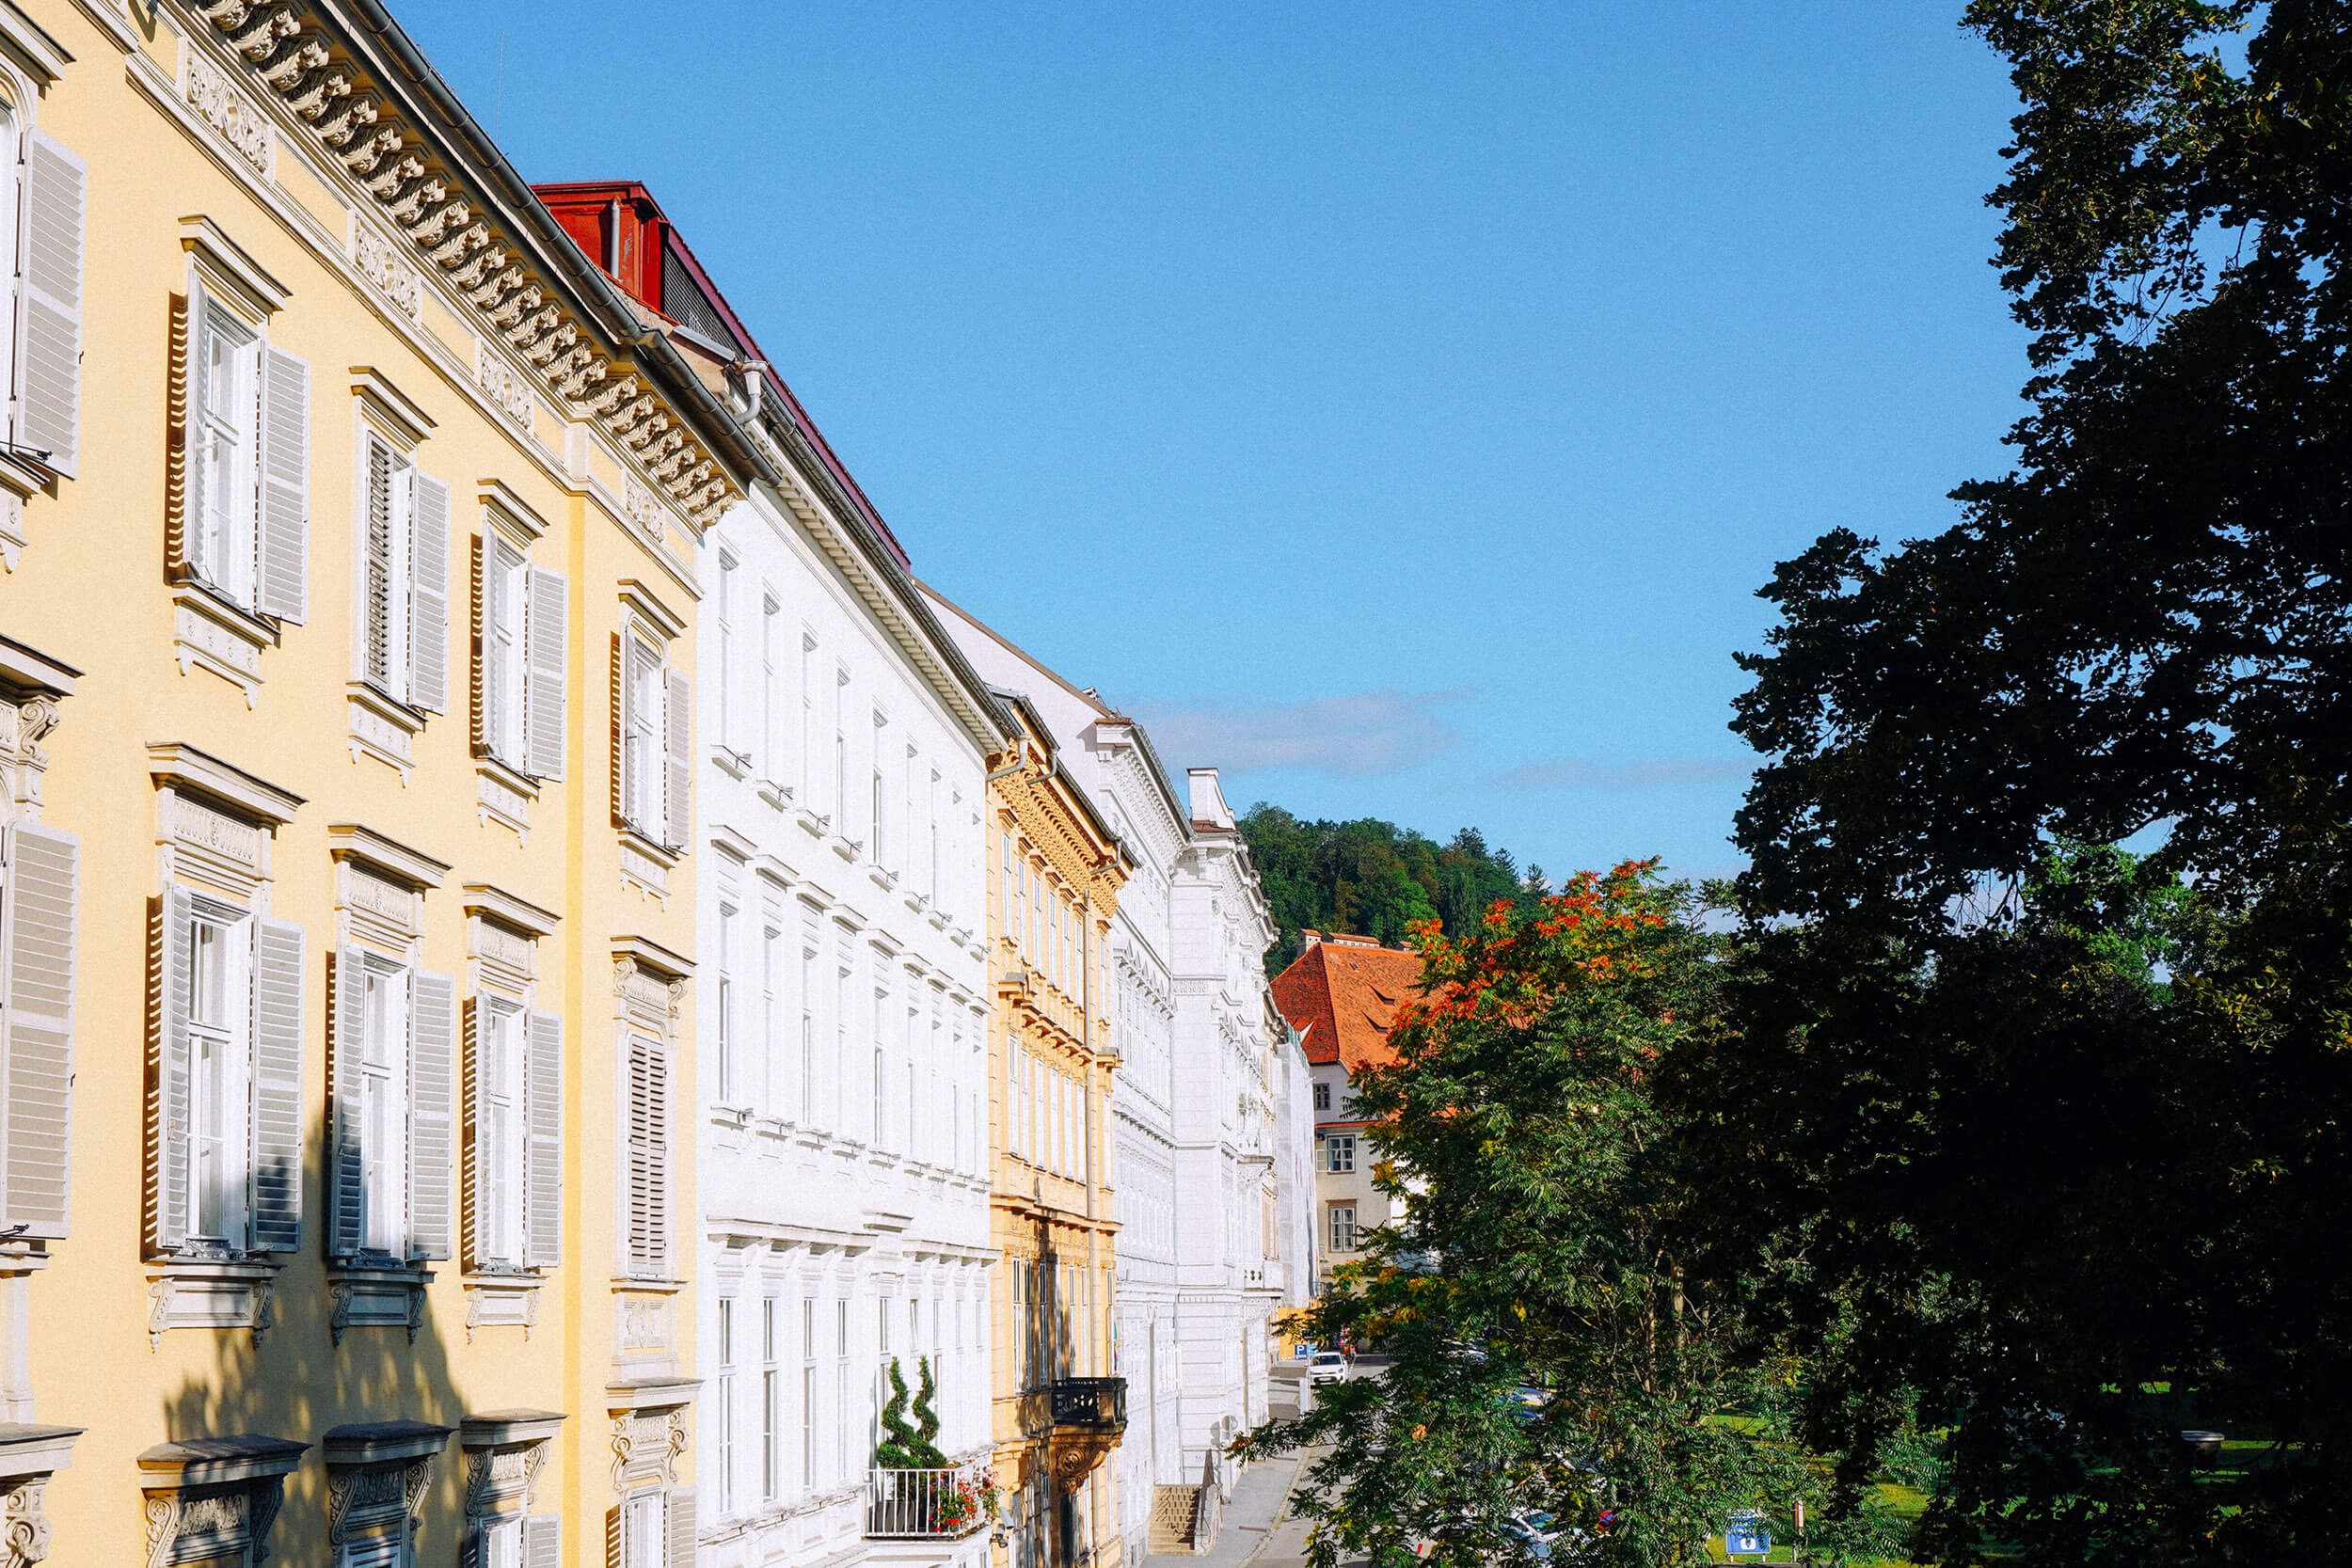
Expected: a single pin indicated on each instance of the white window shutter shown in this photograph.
(347, 1220)
(428, 593)
(432, 1111)
(284, 543)
(545, 633)
(175, 1075)
(277, 953)
(679, 752)
(543, 1167)
(187, 523)
(649, 1155)
(55, 187)
(474, 1083)
(677, 1514)
(41, 912)
(543, 1541)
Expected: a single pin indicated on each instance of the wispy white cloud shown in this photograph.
(1651, 774)
(1355, 735)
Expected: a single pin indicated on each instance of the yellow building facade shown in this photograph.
(1054, 879)
(346, 670)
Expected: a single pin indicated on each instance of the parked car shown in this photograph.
(1326, 1366)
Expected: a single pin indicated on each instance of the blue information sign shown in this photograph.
(1745, 1535)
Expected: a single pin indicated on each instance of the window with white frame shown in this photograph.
(730, 1072)
(840, 799)
(772, 1021)
(404, 542)
(514, 1114)
(808, 723)
(841, 1391)
(770, 733)
(392, 1078)
(808, 1394)
(245, 445)
(770, 1406)
(725, 1412)
(230, 1080)
(722, 716)
(1342, 1227)
(520, 636)
(648, 1153)
(656, 733)
(1341, 1150)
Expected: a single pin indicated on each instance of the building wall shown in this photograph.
(1054, 884)
(239, 756)
(832, 943)
(1350, 1189)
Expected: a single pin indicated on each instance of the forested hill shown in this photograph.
(1371, 877)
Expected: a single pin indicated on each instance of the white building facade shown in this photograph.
(1228, 1285)
(843, 1137)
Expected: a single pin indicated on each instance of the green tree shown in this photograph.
(1539, 1248)
(1370, 878)
(2054, 1140)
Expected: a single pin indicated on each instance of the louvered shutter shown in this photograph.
(543, 1167)
(277, 951)
(543, 1541)
(474, 1084)
(545, 631)
(428, 593)
(649, 1155)
(284, 542)
(175, 1072)
(56, 182)
(184, 545)
(677, 750)
(677, 1514)
(388, 1549)
(375, 663)
(347, 1222)
(432, 1111)
(473, 1551)
(486, 696)
(40, 908)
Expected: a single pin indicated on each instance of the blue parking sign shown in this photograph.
(1745, 1535)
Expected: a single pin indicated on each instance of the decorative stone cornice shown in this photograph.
(451, 232)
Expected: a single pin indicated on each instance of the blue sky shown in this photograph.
(1395, 404)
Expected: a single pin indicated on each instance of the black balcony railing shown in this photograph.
(1091, 1403)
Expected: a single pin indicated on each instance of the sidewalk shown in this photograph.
(1249, 1519)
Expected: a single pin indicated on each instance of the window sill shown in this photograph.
(882, 878)
(383, 729)
(734, 764)
(846, 849)
(211, 633)
(811, 823)
(503, 794)
(502, 1297)
(646, 863)
(210, 1292)
(376, 1293)
(776, 795)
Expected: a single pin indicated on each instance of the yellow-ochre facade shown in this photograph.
(1055, 871)
(346, 917)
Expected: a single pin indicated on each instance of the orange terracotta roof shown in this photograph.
(1341, 993)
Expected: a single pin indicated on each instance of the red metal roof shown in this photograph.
(577, 205)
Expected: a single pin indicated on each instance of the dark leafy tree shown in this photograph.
(2055, 1142)
(1371, 877)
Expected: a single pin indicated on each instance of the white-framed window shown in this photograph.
(1340, 1149)
(522, 673)
(1322, 1097)
(808, 1394)
(392, 1077)
(841, 751)
(657, 736)
(230, 1080)
(807, 1106)
(770, 695)
(654, 1529)
(39, 918)
(404, 541)
(771, 1404)
(724, 719)
(730, 1072)
(1342, 1227)
(517, 1541)
(841, 1389)
(808, 721)
(771, 1020)
(515, 1153)
(246, 454)
(726, 1413)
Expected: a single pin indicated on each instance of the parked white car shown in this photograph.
(1328, 1366)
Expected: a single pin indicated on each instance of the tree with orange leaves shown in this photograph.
(1544, 1349)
